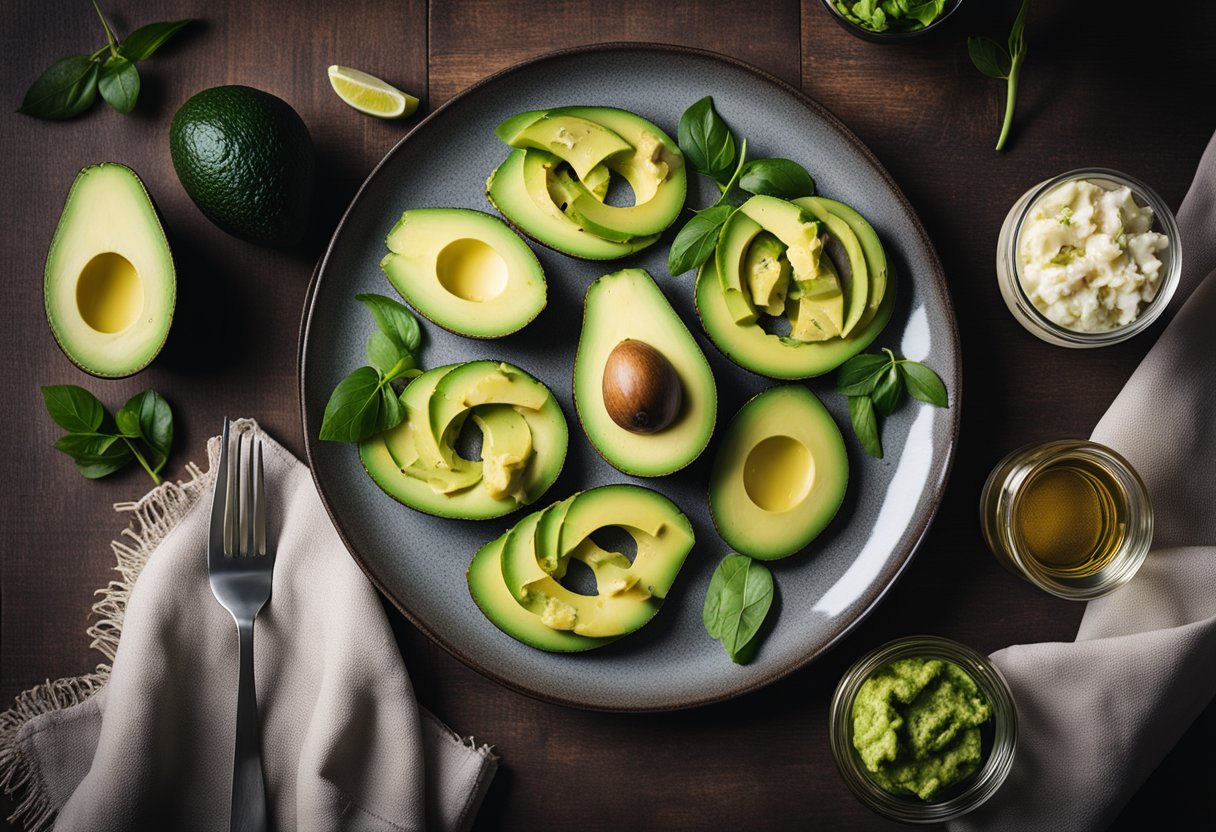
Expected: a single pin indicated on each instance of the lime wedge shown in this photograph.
(368, 94)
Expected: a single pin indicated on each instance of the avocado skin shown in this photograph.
(246, 159)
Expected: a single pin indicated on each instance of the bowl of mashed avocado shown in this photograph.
(923, 729)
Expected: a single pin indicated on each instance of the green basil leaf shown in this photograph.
(860, 375)
(697, 239)
(91, 449)
(781, 178)
(97, 470)
(354, 410)
(383, 352)
(739, 597)
(705, 139)
(66, 89)
(989, 57)
(149, 417)
(888, 392)
(392, 412)
(924, 384)
(140, 44)
(395, 321)
(73, 408)
(924, 11)
(119, 83)
(865, 424)
(1017, 34)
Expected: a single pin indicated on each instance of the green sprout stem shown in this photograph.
(1011, 99)
(140, 458)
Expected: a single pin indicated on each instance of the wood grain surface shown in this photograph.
(1123, 85)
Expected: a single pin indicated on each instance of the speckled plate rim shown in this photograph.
(881, 584)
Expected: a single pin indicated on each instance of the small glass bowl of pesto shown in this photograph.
(891, 21)
(923, 729)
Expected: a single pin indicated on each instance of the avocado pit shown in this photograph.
(642, 391)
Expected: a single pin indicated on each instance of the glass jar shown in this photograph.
(1008, 264)
(1072, 517)
(951, 6)
(999, 737)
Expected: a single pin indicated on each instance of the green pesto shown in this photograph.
(916, 725)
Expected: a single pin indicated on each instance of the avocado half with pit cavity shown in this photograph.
(553, 186)
(517, 579)
(627, 321)
(837, 296)
(109, 285)
(780, 475)
(465, 270)
(523, 442)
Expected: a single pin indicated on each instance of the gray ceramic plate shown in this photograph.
(419, 561)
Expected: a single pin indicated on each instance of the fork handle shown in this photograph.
(248, 788)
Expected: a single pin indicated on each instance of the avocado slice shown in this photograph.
(770, 355)
(419, 467)
(109, 284)
(791, 224)
(629, 305)
(768, 273)
(734, 240)
(578, 142)
(465, 270)
(519, 190)
(875, 254)
(780, 474)
(818, 310)
(859, 277)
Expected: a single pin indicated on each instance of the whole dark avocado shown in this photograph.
(246, 159)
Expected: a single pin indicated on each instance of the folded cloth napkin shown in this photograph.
(149, 743)
(1098, 714)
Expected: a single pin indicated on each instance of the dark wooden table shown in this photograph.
(1128, 85)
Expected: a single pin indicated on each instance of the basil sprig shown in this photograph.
(366, 403)
(995, 61)
(709, 146)
(875, 385)
(101, 444)
(70, 85)
(739, 598)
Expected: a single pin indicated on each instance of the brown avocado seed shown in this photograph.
(642, 391)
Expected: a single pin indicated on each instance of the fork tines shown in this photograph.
(245, 499)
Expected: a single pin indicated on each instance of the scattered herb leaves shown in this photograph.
(697, 239)
(739, 597)
(706, 141)
(70, 85)
(875, 385)
(100, 445)
(1003, 64)
(781, 178)
(366, 403)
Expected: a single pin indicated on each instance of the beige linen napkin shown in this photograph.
(1098, 714)
(149, 744)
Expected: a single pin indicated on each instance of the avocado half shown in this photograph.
(552, 187)
(628, 305)
(109, 285)
(834, 312)
(780, 475)
(524, 442)
(465, 270)
(516, 580)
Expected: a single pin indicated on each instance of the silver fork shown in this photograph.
(240, 563)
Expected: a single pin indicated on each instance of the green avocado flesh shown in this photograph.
(246, 159)
(554, 185)
(780, 474)
(833, 313)
(628, 305)
(524, 596)
(916, 726)
(465, 270)
(109, 285)
(524, 439)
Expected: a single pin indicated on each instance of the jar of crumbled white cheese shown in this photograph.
(1088, 258)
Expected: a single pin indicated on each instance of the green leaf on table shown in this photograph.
(394, 320)
(739, 597)
(781, 178)
(66, 89)
(924, 384)
(119, 83)
(148, 416)
(144, 41)
(888, 392)
(989, 57)
(94, 448)
(97, 470)
(73, 408)
(705, 139)
(697, 239)
(860, 375)
(865, 424)
(358, 408)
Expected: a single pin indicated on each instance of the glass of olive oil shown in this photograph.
(1072, 517)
